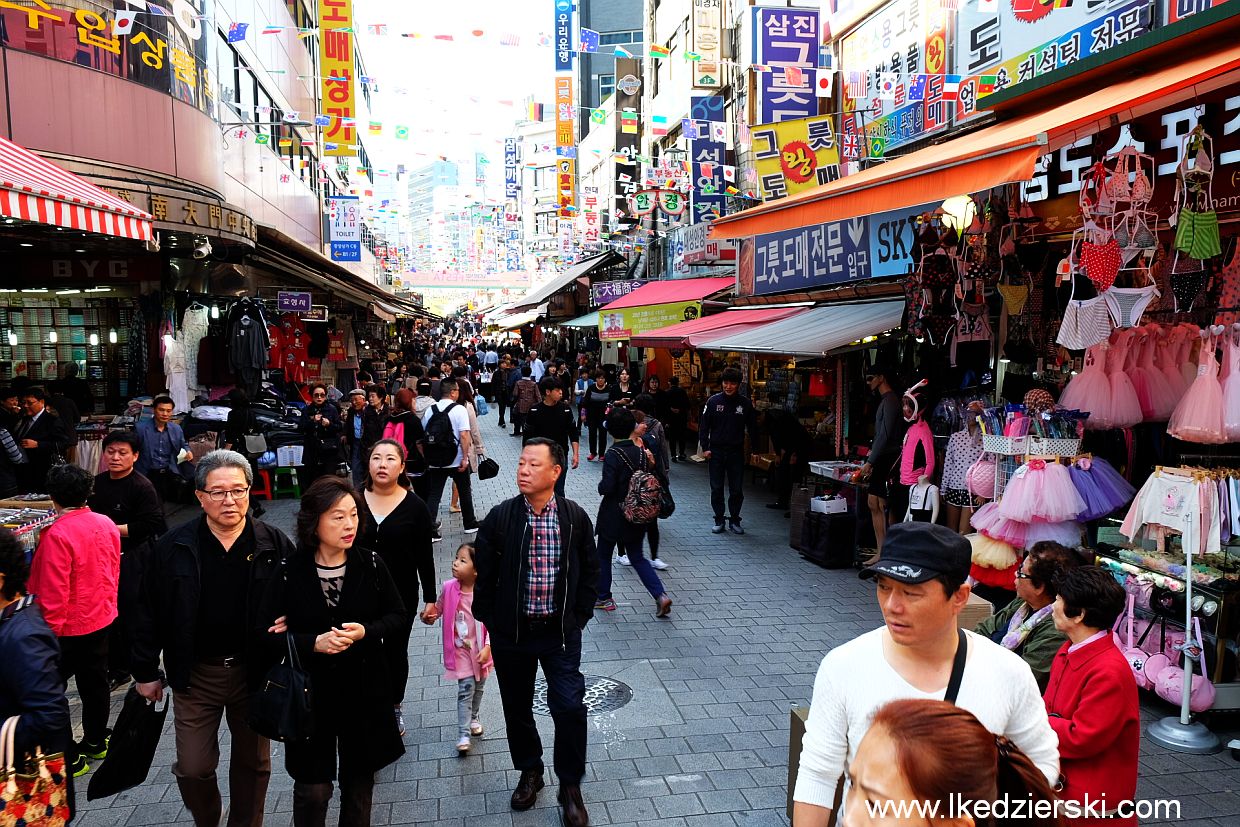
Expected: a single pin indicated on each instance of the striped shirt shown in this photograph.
(544, 559)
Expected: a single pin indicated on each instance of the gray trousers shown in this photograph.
(468, 702)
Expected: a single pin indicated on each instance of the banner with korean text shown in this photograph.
(336, 69)
(794, 156)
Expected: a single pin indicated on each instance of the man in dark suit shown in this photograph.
(43, 436)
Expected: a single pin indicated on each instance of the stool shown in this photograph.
(262, 485)
(285, 482)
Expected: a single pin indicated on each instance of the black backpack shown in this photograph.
(440, 442)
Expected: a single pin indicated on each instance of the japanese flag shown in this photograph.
(822, 83)
(123, 24)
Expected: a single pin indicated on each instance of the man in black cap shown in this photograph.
(918, 653)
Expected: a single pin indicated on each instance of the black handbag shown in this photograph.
(283, 708)
(131, 749)
(487, 468)
(667, 506)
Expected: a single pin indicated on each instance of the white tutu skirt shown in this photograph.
(1066, 534)
(1041, 491)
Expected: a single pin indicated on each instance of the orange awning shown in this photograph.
(998, 154)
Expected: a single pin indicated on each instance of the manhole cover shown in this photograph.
(602, 695)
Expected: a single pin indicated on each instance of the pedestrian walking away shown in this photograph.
(336, 605)
(466, 644)
(525, 397)
(677, 402)
(198, 608)
(537, 577)
(727, 417)
(449, 446)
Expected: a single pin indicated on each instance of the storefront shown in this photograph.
(652, 306)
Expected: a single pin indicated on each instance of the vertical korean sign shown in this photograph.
(708, 154)
(591, 230)
(344, 227)
(707, 42)
(512, 186)
(565, 144)
(785, 37)
(336, 68)
(628, 130)
(565, 43)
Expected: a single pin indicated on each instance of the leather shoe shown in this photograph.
(526, 793)
(575, 814)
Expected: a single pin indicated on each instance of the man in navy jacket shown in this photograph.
(725, 420)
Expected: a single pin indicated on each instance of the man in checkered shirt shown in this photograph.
(537, 582)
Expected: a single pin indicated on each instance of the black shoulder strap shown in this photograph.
(962, 654)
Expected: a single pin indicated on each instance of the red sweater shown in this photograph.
(1092, 702)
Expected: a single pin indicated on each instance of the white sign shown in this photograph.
(698, 249)
(344, 227)
(566, 238)
(707, 41)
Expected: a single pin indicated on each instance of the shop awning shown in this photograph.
(588, 320)
(998, 154)
(35, 189)
(727, 323)
(564, 280)
(516, 320)
(815, 332)
(671, 291)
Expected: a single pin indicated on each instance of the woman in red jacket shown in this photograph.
(1092, 700)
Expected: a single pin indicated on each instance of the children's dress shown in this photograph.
(1125, 408)
(1199, 416)
(1088, 391)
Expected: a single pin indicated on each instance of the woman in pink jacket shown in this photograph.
(74, 579)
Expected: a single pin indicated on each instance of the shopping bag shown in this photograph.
(131, 749)
(34, 789)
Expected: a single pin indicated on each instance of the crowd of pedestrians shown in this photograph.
(917, 709)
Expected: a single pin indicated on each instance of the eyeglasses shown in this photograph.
(233, 494)
(1020, 575)
(318, 394)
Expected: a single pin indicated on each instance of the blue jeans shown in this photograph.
(516, 663)
(630, 541)
(729, 463)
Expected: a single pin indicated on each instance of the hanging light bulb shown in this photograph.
(112, 336)
(12, 338)
(52, 337)
(94, 339)
(215, 311)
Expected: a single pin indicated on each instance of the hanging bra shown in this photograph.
(1142, 189)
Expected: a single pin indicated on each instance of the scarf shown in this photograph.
(1022, 624)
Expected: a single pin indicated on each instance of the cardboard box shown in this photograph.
(763, 462)
(974, 612)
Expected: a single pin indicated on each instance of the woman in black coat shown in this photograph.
(320, 424)
(599, 396)
(338, 603)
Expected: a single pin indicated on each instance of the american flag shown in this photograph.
(857, 85)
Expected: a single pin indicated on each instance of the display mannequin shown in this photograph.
(916, 454)
(923, 502)
(963, 449)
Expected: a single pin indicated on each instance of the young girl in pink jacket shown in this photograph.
(466, 644)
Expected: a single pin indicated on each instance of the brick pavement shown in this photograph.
(704, 740)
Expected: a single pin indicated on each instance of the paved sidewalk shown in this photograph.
(703, 740)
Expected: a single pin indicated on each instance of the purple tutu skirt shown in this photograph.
(1101, 487)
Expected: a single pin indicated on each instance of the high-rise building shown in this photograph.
(619, 25)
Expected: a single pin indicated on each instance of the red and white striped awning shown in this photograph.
(35, 189)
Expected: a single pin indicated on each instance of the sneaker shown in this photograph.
(96, 751)
(502, 423)
(473, 530)
(79, 766)
(718, 529)
(658, 564)
(463, 745)
(436, 536)
(675, 459)
(590, 458)
(735, 528)
(607, 605)
(400, 721)
(623, 560)
(475, 727)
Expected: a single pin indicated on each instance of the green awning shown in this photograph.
(588, 320)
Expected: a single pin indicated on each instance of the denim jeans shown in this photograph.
(516, 663)
(729, 463)
(468, 702)
(630, 541)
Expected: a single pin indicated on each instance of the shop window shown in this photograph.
(606, 85)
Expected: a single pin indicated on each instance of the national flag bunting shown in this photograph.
(262, 139)
(694, 56)
(236, 32)
(628, 123)
(951, 87)
(659, 52)
(376, 128)
(917, 88)
(598, 116)
(986, 84)
(588, 40)
(857, 85)
(402, 133)
(822, 83)
(622, 52)
(285, 142)
(658, 126)
(272, 29)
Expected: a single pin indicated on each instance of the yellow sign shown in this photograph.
(336, 69)
(794, 156)
(565, 138)
(630, 321)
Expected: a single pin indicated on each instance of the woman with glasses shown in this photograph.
(320, 424)
(337, 604)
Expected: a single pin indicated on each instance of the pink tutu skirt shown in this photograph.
(1199, 416)
(1066, 534)
(1163, 397)
(990, 523)
(1125, 408)
(1090, 392)
(1041, 491)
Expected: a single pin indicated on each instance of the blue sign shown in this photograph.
(346, 250)
(565, 43)
(864, 247)
(786, 37)
(709, 149)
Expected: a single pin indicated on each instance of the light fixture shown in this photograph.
(94, 340)
(362, 342)
(12, 338)
(98, 290)
(34, 289)
(26, 244)
(52, 337)
(959, 212)
(112, 336)
(215, 311)
(70, 292)
(79, 251)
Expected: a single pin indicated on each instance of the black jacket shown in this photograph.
(614, 484)
(322, 438)
(675, 397)
(557, 423)
(596, 401)
(373, 422)
(724, 421)
(30, 683)
(52, 436)
(165, 615)
(502, 553)
(352, 690)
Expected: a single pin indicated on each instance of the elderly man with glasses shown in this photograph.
(198, 602)
(320, 423)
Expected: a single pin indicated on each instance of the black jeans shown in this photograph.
(598, 438)
(729, 463)
(677, 435)
(85, 658)
(501, 402)
(516, 664)
(518, 420)
(356, 794)
(435, 479)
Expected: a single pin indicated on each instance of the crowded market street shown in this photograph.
(703, 741)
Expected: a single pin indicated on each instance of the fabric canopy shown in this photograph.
(515, 320)
(583, 268)
(670, 291)
(815, 332)
(727, 323)
(998, 154)
(34, 189)
(588, 320)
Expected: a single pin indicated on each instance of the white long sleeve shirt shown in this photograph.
(855, 679)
